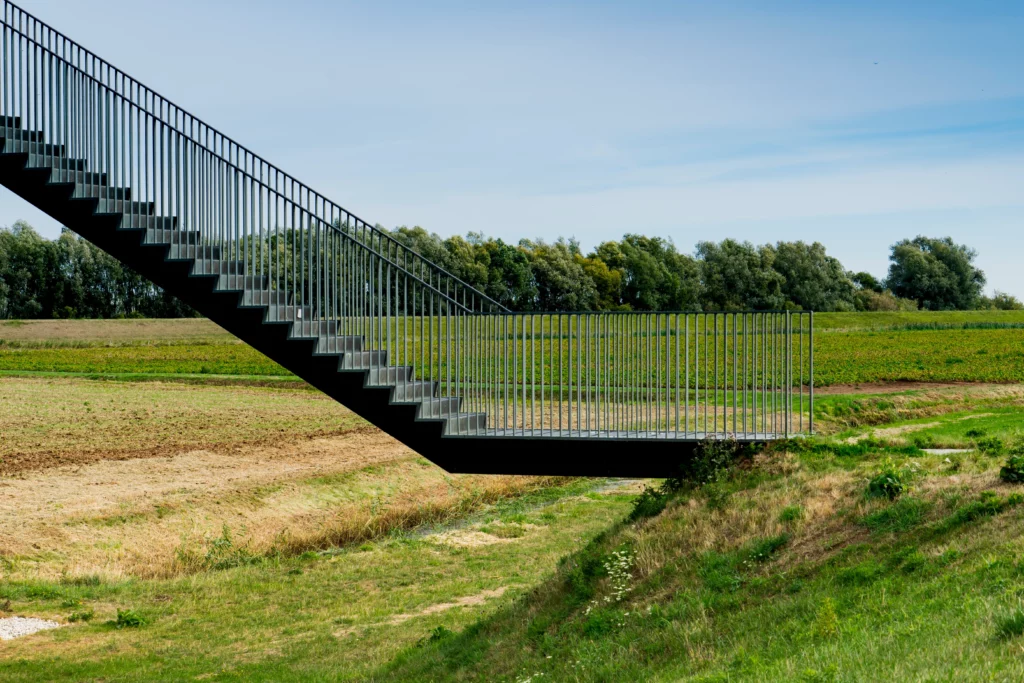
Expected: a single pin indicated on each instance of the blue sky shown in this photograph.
(855, 124)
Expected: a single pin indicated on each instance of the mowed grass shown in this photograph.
(332, 615)
(850, 348)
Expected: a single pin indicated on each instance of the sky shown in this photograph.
(853, 124)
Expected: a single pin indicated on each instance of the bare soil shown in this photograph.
(113, 331)
(894, 387)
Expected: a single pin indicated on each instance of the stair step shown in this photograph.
(289, 313)
(411, 392)
(194, 252)
(311, 329)
(389, 375)
(93, 191)
(17, 133)
(466, 423)
(78, 176)
(335, 343)
(74, 165)
(438, 407)
(14, 145)
(125, 207)
(266, 297)
(218, 267)
(165, 224)
(233, 283)
(359, 360)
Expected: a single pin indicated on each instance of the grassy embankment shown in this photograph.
(787, 570)
(782, 569)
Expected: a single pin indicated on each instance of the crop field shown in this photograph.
(850, 348)
(187, 510)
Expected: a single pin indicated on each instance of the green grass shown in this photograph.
(932, 594)
(334, 615)
(850, 348)
(784, 571)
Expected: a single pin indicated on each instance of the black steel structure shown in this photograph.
(375, 325)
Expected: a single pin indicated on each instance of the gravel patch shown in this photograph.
(16, 627)
(945, 451)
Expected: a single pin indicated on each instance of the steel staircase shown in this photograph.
(344, 305)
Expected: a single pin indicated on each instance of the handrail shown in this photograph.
(114, 74)
(261, 183)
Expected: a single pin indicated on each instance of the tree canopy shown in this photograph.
(69, 277)
(937, 273)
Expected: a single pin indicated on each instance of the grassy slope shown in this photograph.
(332, 615)
(785, 571)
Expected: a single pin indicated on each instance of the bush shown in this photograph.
(710, 462)
(891, 481)
(128, 619)
(80, 615)
(1013, 471)
(649, 503)
(826, 622)
(990, 446)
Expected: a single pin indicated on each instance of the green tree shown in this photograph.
(814, 280)
(509, 275)
(867, 281)
(1001, 301)
(562, 283)
(738, 275)
(938, 273)
(654, 275)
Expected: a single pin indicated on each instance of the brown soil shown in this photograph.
(894, 387)
(468, 601)
(112, 331)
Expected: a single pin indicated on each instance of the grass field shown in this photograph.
(233, 524)
(851, 348)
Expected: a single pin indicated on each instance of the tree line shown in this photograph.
(70, 278)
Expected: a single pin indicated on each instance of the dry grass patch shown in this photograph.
(53, 422)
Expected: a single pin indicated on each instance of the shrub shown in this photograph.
(891, 481)
(974, 433)
(990, 446)
(1011, 625)
(602, 622)
(80, 615)
(128, 619)
(1013, 470)
(648, 504)
(710, 462)
(826, 622)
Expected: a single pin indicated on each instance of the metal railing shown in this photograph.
(386, 308)
(745, 375)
